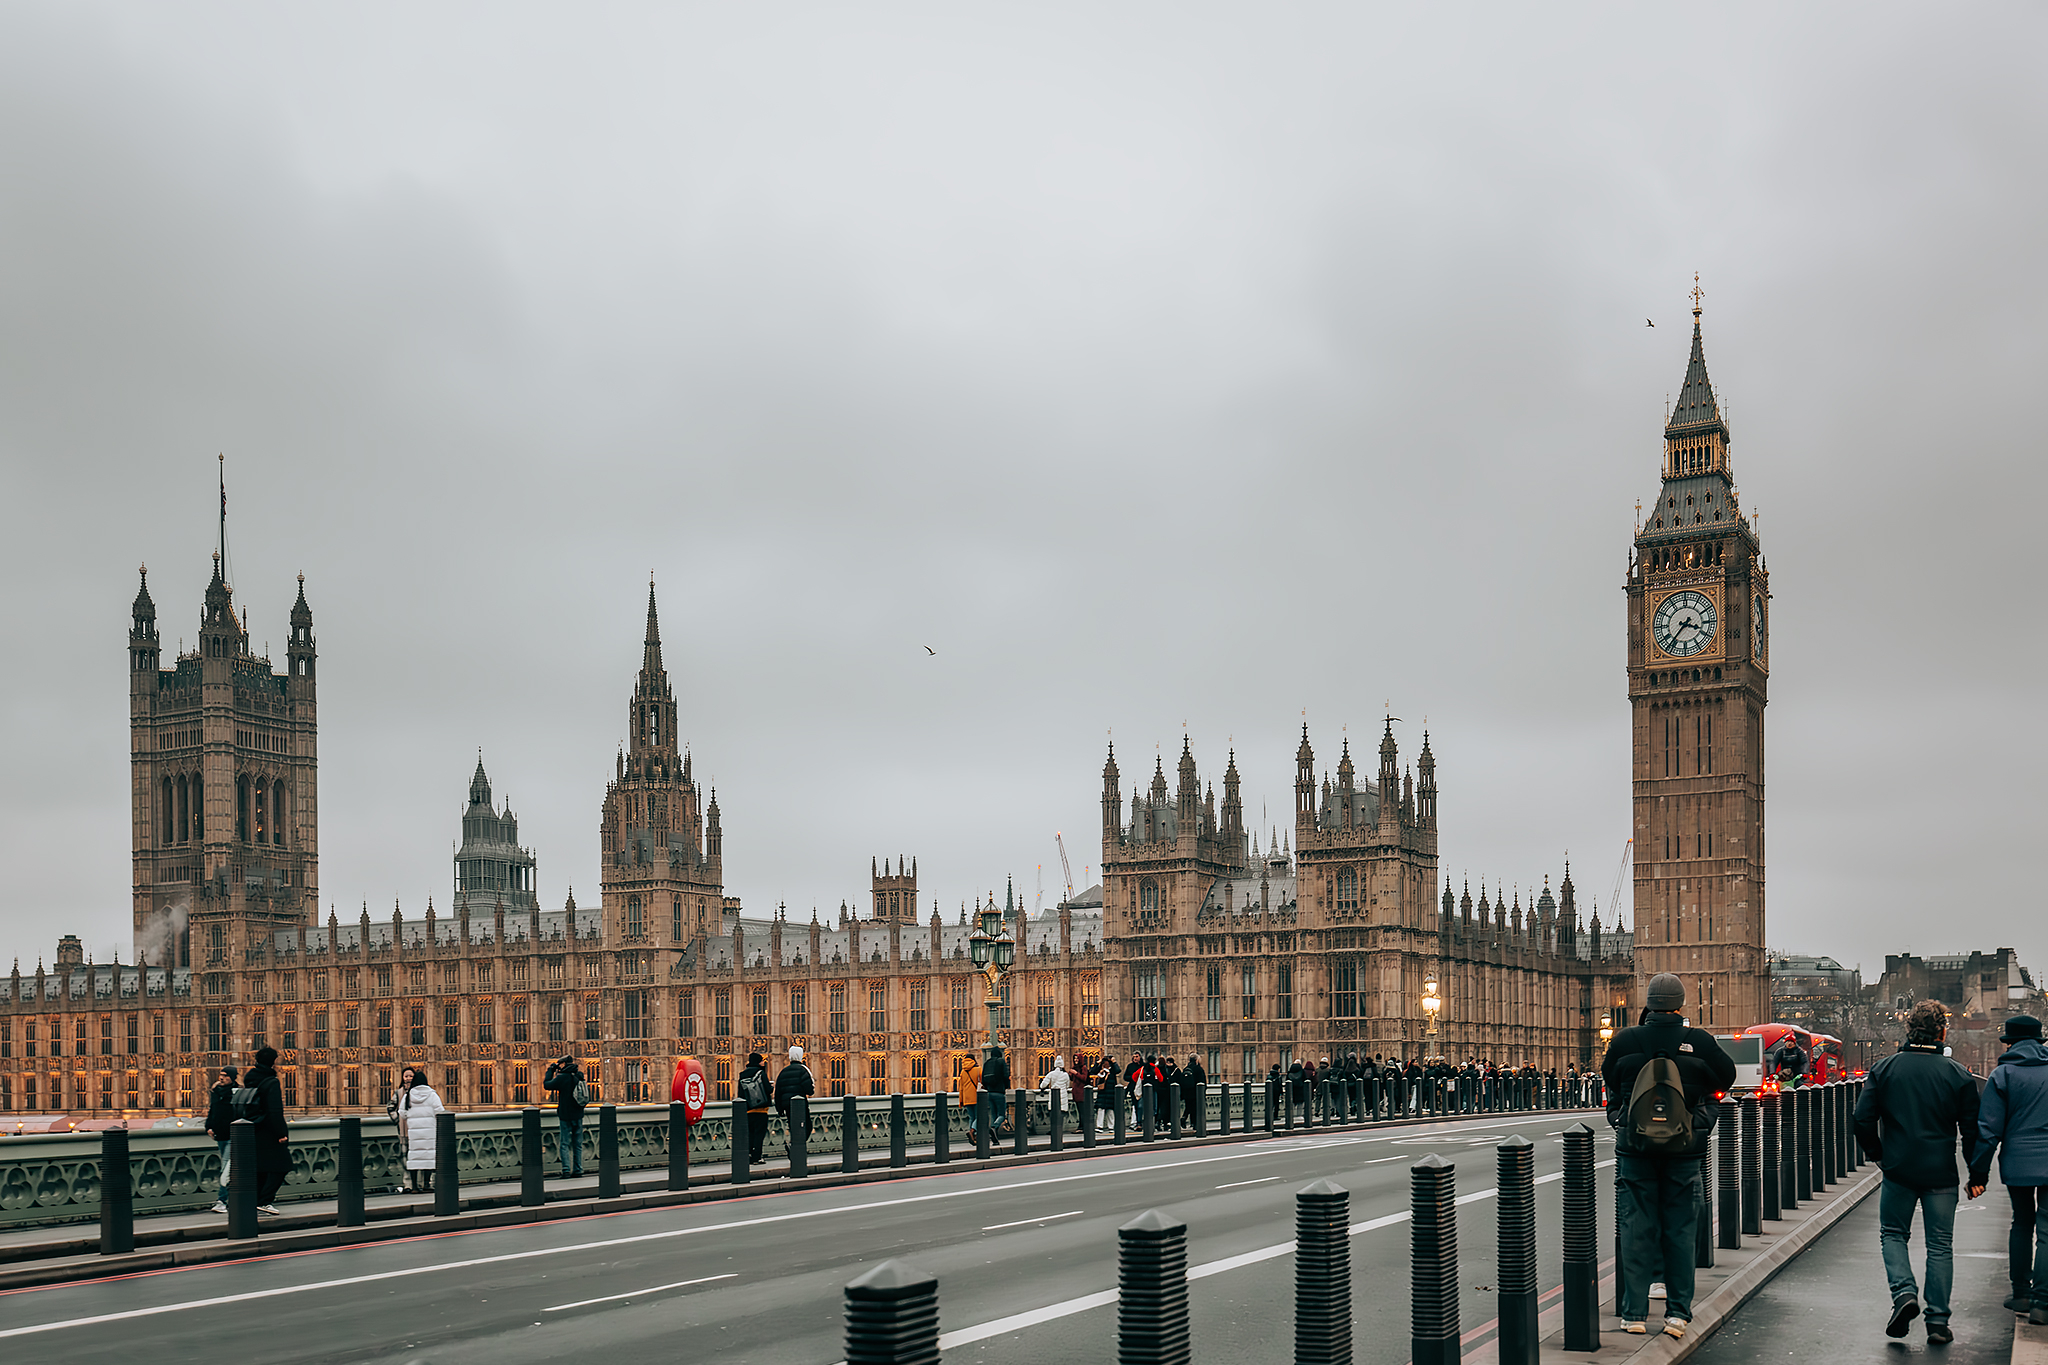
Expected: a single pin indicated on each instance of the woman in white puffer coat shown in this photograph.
(417, 1109)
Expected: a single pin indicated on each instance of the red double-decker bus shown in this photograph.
(1826, 1059)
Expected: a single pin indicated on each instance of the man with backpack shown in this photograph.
(1662, 1076)
(995, 1088)
(1915, 1104)
(220, 1112)
(261, 1101)
(572, 1097)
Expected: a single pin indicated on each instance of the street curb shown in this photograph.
(1741, 1287)
(505, 1211)
(2029, 1344)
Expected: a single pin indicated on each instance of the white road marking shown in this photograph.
(656, 1289)
(1021, 1222)
(1238, 1184)
(1255, 1150)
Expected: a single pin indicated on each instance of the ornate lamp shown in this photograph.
(1432, 1004)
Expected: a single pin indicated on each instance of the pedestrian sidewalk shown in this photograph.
(1721, 1290)
(1832, 1303)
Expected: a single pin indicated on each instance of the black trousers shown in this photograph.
(268, 1183)
(757, 1133)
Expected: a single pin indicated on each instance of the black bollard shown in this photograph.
(1287, 1102)
(1152, 1291)
(241, 1179)
(1516, 1273)
(117, 1200)
(1087, 1107)
(1581, 1242)
(849, 1134)
(799, 1147)
(1433, 1262)
(608, 1151)
(678, 1146)
(348, 1174)
(1813, 1135)
(899, 1136)
(1272, 1103)
(1056, 1119)
(532, 1177)
(1148, 1104)
(942, 1139)
(1170, 1097)
(1322, 1275)
(984, 1116)
(892, 1316)
(447, 1175)
(1727, 1142)
(1773, 1160)
(1116, 1105)
(1223, 1107)
(740, 1140)
(1202, 1108)
(1823, 1137)
(1801, 1116)
(1855, 1147)
(1752, 1169)
(1020, 1123)
(1703, 1207)
(1845, 1141)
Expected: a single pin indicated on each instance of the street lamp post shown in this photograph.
(993, 952)
(1432, 1004)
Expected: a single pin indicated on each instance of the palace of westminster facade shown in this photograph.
(1195, 943)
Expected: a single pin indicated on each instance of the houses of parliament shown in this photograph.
(1199, 941)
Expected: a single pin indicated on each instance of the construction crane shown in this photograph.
(1066, 869)
(1614, 897)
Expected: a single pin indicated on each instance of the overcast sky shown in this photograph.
(1152, 364)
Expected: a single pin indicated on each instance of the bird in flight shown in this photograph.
(929, 650)
(1648, 323)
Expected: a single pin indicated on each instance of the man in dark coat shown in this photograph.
(793, 1080)
(1916, 1103)
(1656, 1191)
(220, 1112)
(2013, 1115)
(562, 1078)
(273, 1134)
(1192, 1077)
(995, 1087)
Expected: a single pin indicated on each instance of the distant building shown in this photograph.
(491, 869)
(1816, 993)
(1992, 984)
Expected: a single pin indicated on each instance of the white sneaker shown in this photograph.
(1674, 1327)
(270, 1209)
(1657, 1291)
(1635, 1329)
(220, 1206)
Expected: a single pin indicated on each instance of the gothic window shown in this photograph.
(592, 1029)
(1344, 992)
(878, 1074)
(416, 1026)
(451, 1022)
(1347, 890)
(261, 803)
(920, 1074)
(1091, 1001)
(320, 1034)
(352, 1027)
(165, 817)
(920, 1012)
(522, 1021)
(676, 919)
(1213, 995)
(1286, 991)
(1248, 991)
(799, 1013)
(291, 1031)
(383, 1026)
(835, 995)
(959, 1020)
(878, 1009)
(242, 809)
(1046, 1009)
(721, 1017)
(1151, 1005)
(135, 1034)
(836, 1069)
(760, 1011)
(633, 919)
(277, 813)
(686, 1023)
(1148, 896)
(637, 1014)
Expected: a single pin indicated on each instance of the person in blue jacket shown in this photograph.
(2014, 1116)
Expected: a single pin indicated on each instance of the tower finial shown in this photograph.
(1697, 295)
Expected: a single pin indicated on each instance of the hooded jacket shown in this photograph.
(420, 1104)
(1915, 1103)
(271, 1129)
(2014, 1112)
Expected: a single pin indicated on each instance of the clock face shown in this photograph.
(1756, 623)
(1684, 624)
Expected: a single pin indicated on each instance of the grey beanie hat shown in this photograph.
(1666, 992)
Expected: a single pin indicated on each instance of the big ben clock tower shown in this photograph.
(1698, 659)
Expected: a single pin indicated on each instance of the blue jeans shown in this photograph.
(222, 1143)
(569, 1143)
(1895, 1203)
(1656, 1203)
